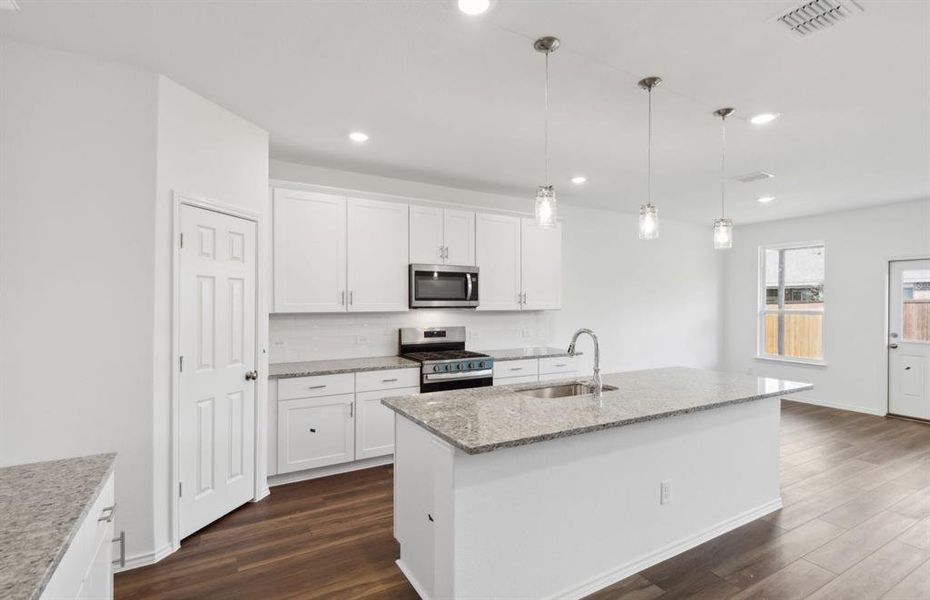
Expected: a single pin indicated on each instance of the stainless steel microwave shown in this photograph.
(443, 286)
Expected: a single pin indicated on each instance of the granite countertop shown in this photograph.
(42, 506)
(482, 419)
(341, 365)
(532, 352)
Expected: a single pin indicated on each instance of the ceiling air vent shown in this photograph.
(818, 15)
(756, 176)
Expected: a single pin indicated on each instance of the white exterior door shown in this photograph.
(459, 236)
(378, 251)
(309, 252)
(498, 253)
(541, 266)
(909, 339)
(426, 241)
(217, 344)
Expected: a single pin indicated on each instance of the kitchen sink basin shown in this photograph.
(579, 388)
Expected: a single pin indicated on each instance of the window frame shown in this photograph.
(762, 310)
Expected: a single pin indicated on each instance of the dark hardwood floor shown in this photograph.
(855, 525)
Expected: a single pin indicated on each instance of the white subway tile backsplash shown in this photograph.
(323, 336)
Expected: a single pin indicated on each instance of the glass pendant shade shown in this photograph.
(648, 222)
(723, 234)
(546, 206)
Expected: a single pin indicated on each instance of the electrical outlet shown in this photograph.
(665, 492)
(361, 339)
(280, 343)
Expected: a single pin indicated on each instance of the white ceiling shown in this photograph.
(457, 100)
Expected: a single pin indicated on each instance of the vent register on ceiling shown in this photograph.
(818, 15)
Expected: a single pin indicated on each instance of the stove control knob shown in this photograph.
(459, 366)
(436, 368)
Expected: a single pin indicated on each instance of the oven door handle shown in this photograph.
(468, 281)
(458, 375)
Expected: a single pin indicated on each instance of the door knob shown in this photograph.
(892, 346)
(251, 375)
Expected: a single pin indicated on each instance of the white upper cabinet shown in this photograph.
(426, 235)
(541, 266)
(309, 252)
(377, 251)
(459, 234)
(498, 253)
(442, 236)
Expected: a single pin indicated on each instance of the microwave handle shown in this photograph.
(468, 280)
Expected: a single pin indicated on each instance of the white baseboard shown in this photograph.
(357, 465)
(411, 579)
(837, 405)
(637, 565)
(146, 559)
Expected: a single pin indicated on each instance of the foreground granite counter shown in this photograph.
(479, 420)
(529, 352)
(342, 365)
(41, 507)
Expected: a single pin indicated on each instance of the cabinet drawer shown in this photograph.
(518, 379)
(559, 376)
(315, 432)
(559, 364)
(370, 381)
(516, 368)
(318, 385)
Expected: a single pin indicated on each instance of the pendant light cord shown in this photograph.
(649, 153)
(723, 166)
(546, 143)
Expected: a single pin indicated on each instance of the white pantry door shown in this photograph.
(217, 343)
(909, 339)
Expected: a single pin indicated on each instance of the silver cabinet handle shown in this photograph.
(251, 375)
(442, 251)
(121, 561)
(388, 380)
(316, 387)
(350, 298)
(342, 298)
(352, 409)
(516, 368)
(108, 514)
(561, 365)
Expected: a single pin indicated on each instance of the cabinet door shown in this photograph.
(98, 583)
(315, 432)
(541, 266)
(459, 235)
(498, 254)
(374, 423)
(309, 252)
(426, 235)
(377, 273)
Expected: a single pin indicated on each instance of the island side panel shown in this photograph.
(563, 518)
(423, 508)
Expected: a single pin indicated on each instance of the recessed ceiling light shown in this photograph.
(763, 118)
(358, 137)
(579, 179)
(474, 7)
(766, 199)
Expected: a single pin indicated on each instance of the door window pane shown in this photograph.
(915, 312)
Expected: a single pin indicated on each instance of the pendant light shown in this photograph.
(546, 202)
(723, 227)
(648, 214)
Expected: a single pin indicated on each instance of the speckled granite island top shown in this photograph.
(532, 352)
(479, 420)
(41, 507)
(341, 365)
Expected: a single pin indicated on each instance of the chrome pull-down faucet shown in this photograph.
(598, 386)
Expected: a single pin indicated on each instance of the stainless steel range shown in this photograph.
(445, 364)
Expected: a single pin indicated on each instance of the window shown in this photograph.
(791, 302)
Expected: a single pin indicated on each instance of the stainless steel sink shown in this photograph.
(578, 388)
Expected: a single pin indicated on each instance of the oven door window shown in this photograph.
(434, 285)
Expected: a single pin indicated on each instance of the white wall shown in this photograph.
(204, 152)
(858, 246)
(77, 190)
(651, 303)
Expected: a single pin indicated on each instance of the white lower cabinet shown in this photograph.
(562, 367)
(86, 569)
(315, 432)
(374, 423)
(531, 370)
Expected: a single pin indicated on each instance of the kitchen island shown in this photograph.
(502, 492)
